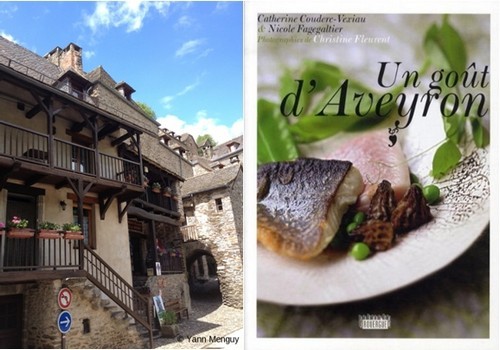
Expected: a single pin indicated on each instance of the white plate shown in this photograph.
(459, 219)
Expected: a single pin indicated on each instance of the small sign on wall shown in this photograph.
(158, 268)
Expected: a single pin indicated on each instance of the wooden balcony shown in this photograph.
(36, 258)
(53, 159)
(189, 233)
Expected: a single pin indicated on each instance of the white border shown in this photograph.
(251, 9)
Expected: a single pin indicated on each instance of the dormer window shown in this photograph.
(233, 146)
(125, 90)
(74, 84)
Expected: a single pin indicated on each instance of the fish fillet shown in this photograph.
(371, 154)
(301, 204)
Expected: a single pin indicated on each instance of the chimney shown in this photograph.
(68, 58)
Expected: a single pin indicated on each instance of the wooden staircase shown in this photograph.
(122, 299)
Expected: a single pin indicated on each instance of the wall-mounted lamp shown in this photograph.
(63, 205)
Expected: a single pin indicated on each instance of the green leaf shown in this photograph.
(445, 47)
(446, 158)
(454, 126)
(480, 133)
(274, 141)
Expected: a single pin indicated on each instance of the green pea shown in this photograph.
(360, 251)
(351, 227)
(431, 193)
(359, 218)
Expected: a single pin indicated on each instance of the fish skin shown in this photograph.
(371, 154)
(293, 203)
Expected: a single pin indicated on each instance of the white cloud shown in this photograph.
(203, 125)
(184, 22)
(221, 6)
(8, 9)
(129, 14)
(88, 54)
(8, 37)
(167, 100)
(188, 47)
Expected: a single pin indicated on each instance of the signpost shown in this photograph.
(64, 322)
(64, 298)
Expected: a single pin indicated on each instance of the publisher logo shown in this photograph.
(374, 321)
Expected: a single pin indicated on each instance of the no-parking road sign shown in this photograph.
(64, 298)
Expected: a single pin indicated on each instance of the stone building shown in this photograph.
(214, 229)
(75, 148)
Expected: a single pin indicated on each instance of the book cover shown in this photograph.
(405, 98)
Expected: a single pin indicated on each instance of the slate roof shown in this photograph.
(223, 149)
(210, 181)
(27, 58)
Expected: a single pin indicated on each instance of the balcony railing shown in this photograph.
(38, 254)
(28, 145)
(171, 263)
(189, 233)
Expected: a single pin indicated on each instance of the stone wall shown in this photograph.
(41, 312)
(222, 232)
(172, 287)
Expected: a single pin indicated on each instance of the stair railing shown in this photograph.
(118, 290)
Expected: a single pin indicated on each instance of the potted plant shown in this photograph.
(48, 230)
(18, 228)
(156, 187)
(2, 228)
(167, 191)
(168, 324)
(72, 231)
(145, 182)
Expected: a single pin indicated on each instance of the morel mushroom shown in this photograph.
(383, 202)
(378, 234)
(411, 212)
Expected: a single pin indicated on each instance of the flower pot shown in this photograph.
(155, 190)
(166, 194)
(73, 235)
(48, 234)
(169, 331)
(22, 233)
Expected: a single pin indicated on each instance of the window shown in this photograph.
(87, 227)
(218, 204)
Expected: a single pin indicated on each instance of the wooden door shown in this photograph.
(11, 321)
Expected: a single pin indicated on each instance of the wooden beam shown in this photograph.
(5, 175)
(34, 179)
(87, 121)
(122, 138)
(30, 276)
(122, 211)
(38, 108)
(61, 184)
(105, 199)
(107, 129)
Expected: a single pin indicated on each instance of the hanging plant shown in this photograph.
(156, 187)
(48, 230)
(72, 231)
(18, 228)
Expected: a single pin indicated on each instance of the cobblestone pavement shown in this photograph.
(211, 325)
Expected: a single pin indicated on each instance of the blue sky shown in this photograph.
(184, 59)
